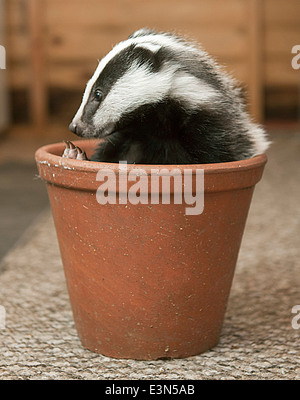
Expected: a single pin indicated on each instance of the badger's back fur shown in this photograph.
(158, 99)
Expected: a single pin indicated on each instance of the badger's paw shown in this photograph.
(74, 152)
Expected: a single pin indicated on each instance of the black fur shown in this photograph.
(164, 133)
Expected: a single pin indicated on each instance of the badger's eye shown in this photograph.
(98, 94)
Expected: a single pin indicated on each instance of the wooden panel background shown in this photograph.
(252, 38)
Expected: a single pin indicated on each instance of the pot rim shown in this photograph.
(47, 155)
(82, 175)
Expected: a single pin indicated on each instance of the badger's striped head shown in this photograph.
(144, 69)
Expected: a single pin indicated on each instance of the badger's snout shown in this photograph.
(75, 128)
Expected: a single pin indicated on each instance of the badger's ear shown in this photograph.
(152, 47)
(148, 53)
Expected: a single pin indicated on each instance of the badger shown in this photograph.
(157, 98)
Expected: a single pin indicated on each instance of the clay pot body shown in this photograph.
(147, 281)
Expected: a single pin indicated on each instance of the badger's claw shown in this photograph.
(74, 152)
(81, 154)
(67, 149)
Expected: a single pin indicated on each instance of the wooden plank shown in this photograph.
(15, 15)
(279, 42)
(114, 14)
(63, 46)
(17, 31)
(255, 52)
(282, 13)
(94, 35)
(18, 45)
(281, 73)
(38, 89)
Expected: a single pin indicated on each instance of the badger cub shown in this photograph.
(156, 98)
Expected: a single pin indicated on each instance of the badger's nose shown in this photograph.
(73, 127)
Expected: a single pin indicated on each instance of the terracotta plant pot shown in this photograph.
(147, 281)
